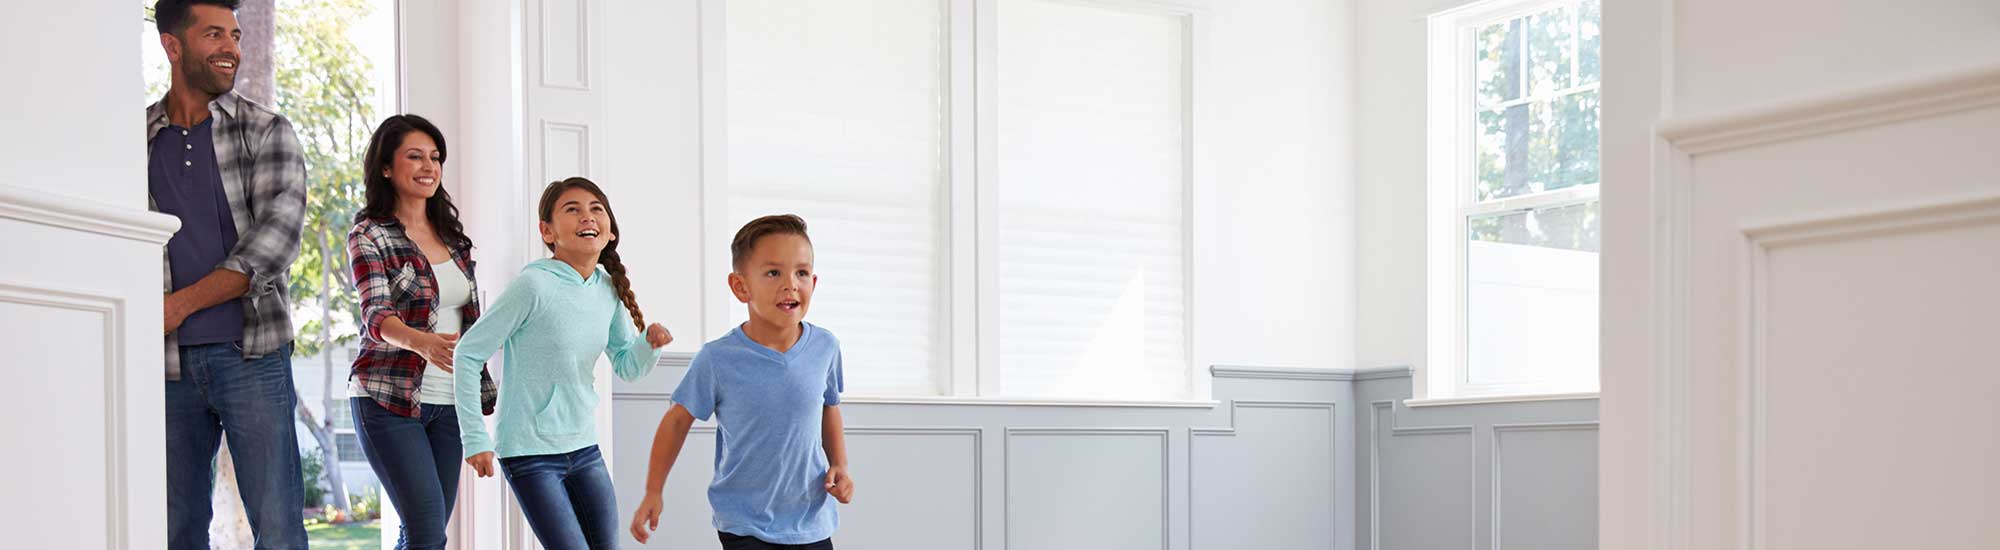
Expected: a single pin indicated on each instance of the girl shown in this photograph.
(413, 272)
(553, 321)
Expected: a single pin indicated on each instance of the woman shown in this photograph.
(413, 271)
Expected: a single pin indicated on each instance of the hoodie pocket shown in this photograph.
(568, 411)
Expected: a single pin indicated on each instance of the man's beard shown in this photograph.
(202, 76)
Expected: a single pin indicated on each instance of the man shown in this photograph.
(232, 171)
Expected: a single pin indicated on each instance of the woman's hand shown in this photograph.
(437, 348)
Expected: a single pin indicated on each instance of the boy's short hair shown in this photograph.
(746, 238)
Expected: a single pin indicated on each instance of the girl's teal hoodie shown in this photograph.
(552, 324)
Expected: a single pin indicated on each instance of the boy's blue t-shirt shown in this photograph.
(770, 467)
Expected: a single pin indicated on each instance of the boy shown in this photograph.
(773, 383)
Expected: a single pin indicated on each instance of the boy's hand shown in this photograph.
(840, 485)
(647, 519)
(482, 463)
(658, 336)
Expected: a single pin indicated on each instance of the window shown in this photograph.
(1513, 217)
(1091, 188)
(836, 114)
(350, 447)
(1010, 223)
(342, 417)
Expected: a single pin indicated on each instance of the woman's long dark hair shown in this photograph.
(381, 193)
(609, 257)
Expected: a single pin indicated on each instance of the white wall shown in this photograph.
(1274, 266)
(67, 109)
(80, 287)
(654, 160)
(1274, 270)
(1390, 180)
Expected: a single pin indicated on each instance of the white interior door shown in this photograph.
(1814, 323)
(565, 123)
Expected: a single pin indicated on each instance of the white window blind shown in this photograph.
(1092, 181)
(835, 113)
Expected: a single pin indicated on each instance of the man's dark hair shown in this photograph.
(171, 16)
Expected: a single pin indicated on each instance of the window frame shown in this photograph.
(1450, 198)
(969, 216)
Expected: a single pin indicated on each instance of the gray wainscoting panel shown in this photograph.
(1489, 476)
(914, 484)
(687, 522)
(1545, 486)
(1271, 481)
(1286, 458)
(1087, 488)
(1424, 485)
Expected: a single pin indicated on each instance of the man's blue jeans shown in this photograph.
(252, 402)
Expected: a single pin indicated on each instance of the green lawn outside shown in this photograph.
(346, 536)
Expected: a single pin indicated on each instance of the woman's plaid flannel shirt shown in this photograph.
(394, 279)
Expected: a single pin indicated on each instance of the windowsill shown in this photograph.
(1027, 402)
(1490, 399)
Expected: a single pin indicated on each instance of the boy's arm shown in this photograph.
(833, 438)
(667, 442)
